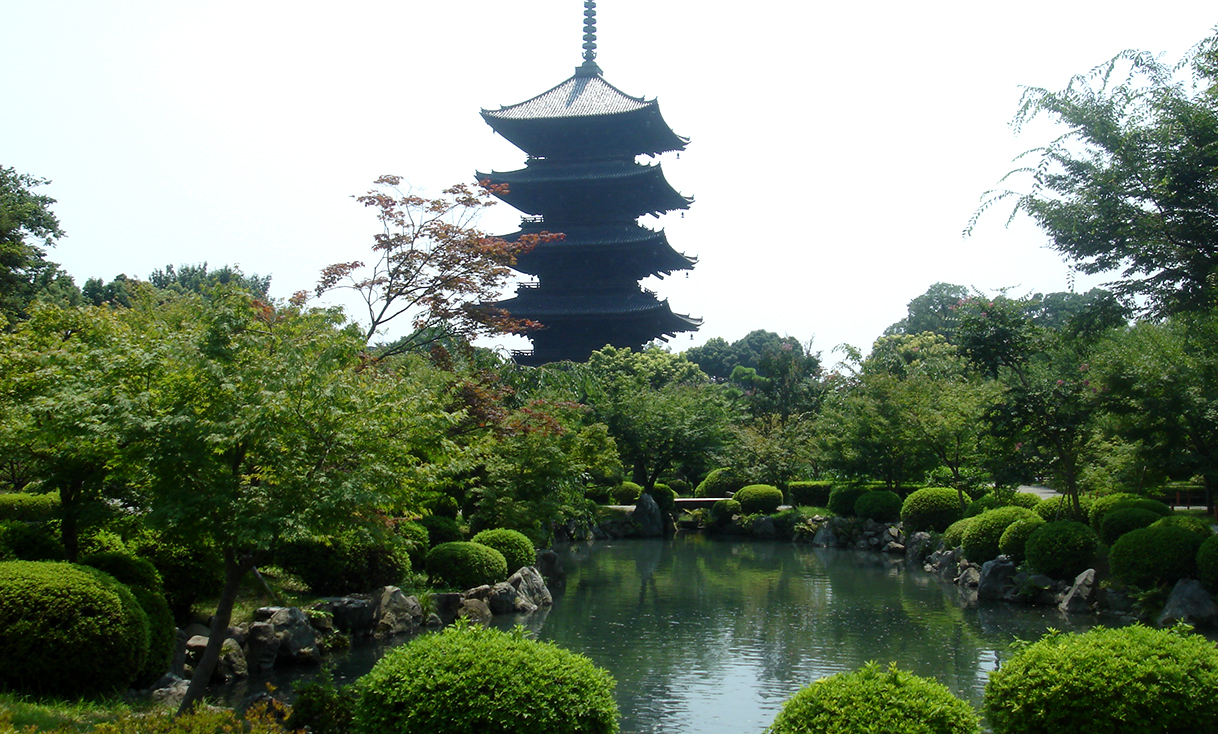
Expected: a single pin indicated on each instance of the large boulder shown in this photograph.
(1191, 604)
(529, 582)
(262, 646)
(297, 639)
(232, 664)
(395, 612)
(918, 546)
(354, 615)
(503, 598)
(1080, 598)
(475, 610)
(550, 566)
(996, 578)
(647, 518)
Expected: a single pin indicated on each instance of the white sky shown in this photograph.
(837, 150)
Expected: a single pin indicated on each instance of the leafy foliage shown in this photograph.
(25, 274)
(503, 682)
(29, 507)
(1107, 680)
(874, 699)
(354, 561)
(931, 508)
(842, 500)
(1207, 563)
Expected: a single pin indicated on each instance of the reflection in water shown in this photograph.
(712, 636)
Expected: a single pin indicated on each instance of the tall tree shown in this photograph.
(1130, 185)
(933, 311)
(27, 226)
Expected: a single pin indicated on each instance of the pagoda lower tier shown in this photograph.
(575, 324)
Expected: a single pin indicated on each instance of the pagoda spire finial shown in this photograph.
(589, 67)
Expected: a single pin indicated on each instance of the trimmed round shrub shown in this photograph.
(719, 483)
(500, 681)
(355, 561)
(953, 536)
(1061, 549)
(1024, 499)
(515, 546)
(809, 494)
(1132, 679)
(984, 532)
(1101, 506)
(627, 493)
(1207, 563)
(1199, 525)
(187, 573)
(664, 497)
(1062, 508)
(724, 510)
(1015, 537)
(933, 508)
(680, 487)
(127, 569)
(875, 699)
(25, 541)
(162, 634)
(878, 505)
(29, 507)
(1143, 503)
(984, 503)
(1123, 519)
(1149, 557)
(464, 565)
(441, 529)
(842, 499)
(759, 498)
(68, 630)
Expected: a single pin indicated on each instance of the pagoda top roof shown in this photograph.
(579, 96)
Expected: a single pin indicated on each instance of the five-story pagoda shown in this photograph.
(582, 179)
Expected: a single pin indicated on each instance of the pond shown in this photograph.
(712, 636)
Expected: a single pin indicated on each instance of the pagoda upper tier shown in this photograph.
(588, 252)
(585, 117)
(588, 190)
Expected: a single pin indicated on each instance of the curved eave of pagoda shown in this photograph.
(588, 191)
(584, 115)
(647, 246)
(640, 306)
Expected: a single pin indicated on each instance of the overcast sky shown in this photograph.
(837, 150)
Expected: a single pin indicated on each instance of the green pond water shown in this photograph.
(711, 636)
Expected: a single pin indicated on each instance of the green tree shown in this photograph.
(933, 311)
(197, 279)
(1130, 184)
(25, 274)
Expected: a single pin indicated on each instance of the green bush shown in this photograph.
(877, 700)
(477, 679)
(1133, 679)
(879, 505)
(933, 508)
(1101, 506)
(464, 565)
(759, 498)
(1015, 538)
(515, 546)
(127, 569)
(187, 573)
(1149, 557)
(953, 536)
(1143, 503)
(417, 541)
(27, 541)
(599, 494)
(842, 499)
(809, 494)
(1192, 523)
(680, 487)
(352, 562)
(1061, 549)
(438, 503)
(29, 507)
(441, 530)
(985, 531)
(1061, 508)
(627, 493)
(1207, 563)
(68, 630)
(1121, 520)
(724, 510)
(984, 503)
(719, 483)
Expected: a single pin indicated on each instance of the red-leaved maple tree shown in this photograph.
(433, 266)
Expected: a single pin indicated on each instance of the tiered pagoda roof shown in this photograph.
(582, 180)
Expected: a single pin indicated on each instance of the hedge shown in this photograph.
(809, 494)
(1121, 520)
(29, 507)
(1014, 539)
(879, 505)
(759, 498)
(464, 565)
(842, 499)
(1061, 549)
(1150, 557)
(953, 536)
(1132, 679)
(478, 679)
(1062, 508)
(932, 508)
(721, 482)
(515, 546)
(984, 532)
(878, 700)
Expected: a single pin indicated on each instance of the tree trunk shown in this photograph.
(235, 567)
